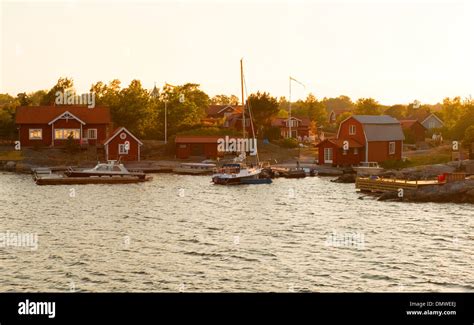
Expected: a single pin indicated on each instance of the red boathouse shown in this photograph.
(122, 145)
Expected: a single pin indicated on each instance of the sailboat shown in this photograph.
(239, 172)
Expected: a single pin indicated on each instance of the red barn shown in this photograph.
(123, 145)
(52, 125)
(363, 138)
(414, 131)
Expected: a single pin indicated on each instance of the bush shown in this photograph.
(394, 164)
(272, 133)
(288, 143)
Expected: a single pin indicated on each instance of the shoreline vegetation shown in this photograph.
(456, 192)
(142, 112)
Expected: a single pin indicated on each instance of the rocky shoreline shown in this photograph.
(455, 192)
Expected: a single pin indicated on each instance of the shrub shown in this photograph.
(288, 143)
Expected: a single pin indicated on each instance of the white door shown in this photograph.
(328, 155)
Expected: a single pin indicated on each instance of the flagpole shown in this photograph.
(289, 114)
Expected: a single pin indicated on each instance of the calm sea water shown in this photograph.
(181, 233)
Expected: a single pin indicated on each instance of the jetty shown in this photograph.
(380, 185)
(59, 180)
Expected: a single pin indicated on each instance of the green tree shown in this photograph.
(8, 105)
(186, 107)
(264, 108)
(62, 85)
(132, 108)
(468, 137)
(451, 111)
(397, 111)
(339, 103)
(224, 100)
(367, 106)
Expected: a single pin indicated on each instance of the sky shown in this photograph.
(393, 51)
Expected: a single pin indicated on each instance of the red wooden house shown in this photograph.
(52, 125)
(299, 126)
(414, 131)
(363, 138)
(122, 145)
(191, 145)
(227, 116)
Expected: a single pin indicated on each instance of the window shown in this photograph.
(327, 155)
(391, 148)
(63, 134)
(122, 149)
(92, 134)
(182, 146)
(344, 152)
(352, 129)
(431, 124)
(356, 151)
(35, 134)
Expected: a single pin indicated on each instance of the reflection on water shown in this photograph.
(181, 233)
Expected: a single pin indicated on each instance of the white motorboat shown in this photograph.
(110, 168)
(368, 168)
(195, 168)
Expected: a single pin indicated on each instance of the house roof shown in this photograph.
(435, 116)
(196, 138)
(406, 124)
(380, 127)
(340, 143)
(217, 110)
(119, 130)
(45, 114)
(375, 119)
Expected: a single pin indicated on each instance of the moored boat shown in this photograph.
(239, 173)
(195, 168)
(368, 168)
(111, 168)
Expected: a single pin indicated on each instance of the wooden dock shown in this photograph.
(380, 185)
(63, 180)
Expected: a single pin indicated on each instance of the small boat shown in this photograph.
(239, 173)
(368, 168)
(195, 168)
(111, 168)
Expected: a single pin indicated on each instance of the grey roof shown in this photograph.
(381, 127)
(375, 119)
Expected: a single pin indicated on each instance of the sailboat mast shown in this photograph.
(243, 98)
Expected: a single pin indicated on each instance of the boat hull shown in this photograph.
(93, 174)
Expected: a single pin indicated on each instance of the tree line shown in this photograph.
(142, 110)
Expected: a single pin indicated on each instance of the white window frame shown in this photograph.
(34, 138)
(352, 129)
(431, 124)
(88, 134)
(121, 149)
(66, 131)
(326, 155)
(392, 148)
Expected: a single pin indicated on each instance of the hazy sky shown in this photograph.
(394, 51)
